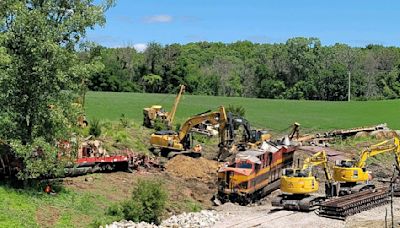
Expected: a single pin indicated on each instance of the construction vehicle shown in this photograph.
(353, 175)
(297, 185)
(253, 174)
(171, 143)
(157, 113)
(250, 139)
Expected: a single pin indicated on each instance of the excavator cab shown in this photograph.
(289, 172)
(345, 163)
(296, 181)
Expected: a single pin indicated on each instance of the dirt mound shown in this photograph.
(189, 168)
(381, 134)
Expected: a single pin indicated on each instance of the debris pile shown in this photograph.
(205, 218)
(192, 168)
(142, 161)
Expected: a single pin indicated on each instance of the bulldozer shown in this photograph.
(297, 185)
(171, 143)
(157, 113)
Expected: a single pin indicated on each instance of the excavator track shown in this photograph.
(341, 207)
(293, 203)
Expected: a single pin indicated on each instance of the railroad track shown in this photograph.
(340, 208)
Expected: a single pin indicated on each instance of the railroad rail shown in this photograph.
(340, 208)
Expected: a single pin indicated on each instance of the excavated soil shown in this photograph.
(192, 168)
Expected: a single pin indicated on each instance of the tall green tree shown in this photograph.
(44, 74)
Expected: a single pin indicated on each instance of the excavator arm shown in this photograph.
(214, 118)
(315, 160)
(382, 147)
(319, 159)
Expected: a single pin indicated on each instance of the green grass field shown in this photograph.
(78, 208)
(276, 115)
(32, 208)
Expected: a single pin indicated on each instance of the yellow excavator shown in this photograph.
(297, 185)
(156, 112)
(353, 175)
(171, 143)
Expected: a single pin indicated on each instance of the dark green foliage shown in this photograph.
(147, 203)
(43, 69)
(301, 68)
(124, 121)
(95, 128)
(236, 110)
(178, 127)
(160, 125)
(115, 210)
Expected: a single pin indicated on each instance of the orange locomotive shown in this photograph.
(254, 173)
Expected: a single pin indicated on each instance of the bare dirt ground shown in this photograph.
(186, 179)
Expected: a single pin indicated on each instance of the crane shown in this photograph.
(298, 184)
(171, 115)
(171, 143)
(156, 112)
(353, 175)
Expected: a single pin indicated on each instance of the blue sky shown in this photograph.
(354, 22)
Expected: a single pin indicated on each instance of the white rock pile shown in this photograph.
(130, 224)
(205, 218)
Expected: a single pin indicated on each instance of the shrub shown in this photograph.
(95, 128)
(236, 110)
(124, 121)
(160, 125)
(147, 203)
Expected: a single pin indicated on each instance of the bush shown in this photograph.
(160, 125)
(236, 110)
(147, 203)
(95, 128)
(124, 121)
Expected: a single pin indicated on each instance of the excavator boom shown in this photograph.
(213, 117)
(173, 143)
(171, 116)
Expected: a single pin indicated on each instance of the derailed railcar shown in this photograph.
(253, 174)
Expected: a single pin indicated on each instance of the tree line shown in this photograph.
(301, 68)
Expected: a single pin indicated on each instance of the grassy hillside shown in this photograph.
(271, 114)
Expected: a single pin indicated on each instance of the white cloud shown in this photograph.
(162, 18)
(140, 47)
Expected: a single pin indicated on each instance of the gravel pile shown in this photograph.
(130, 224)
(204, 218)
